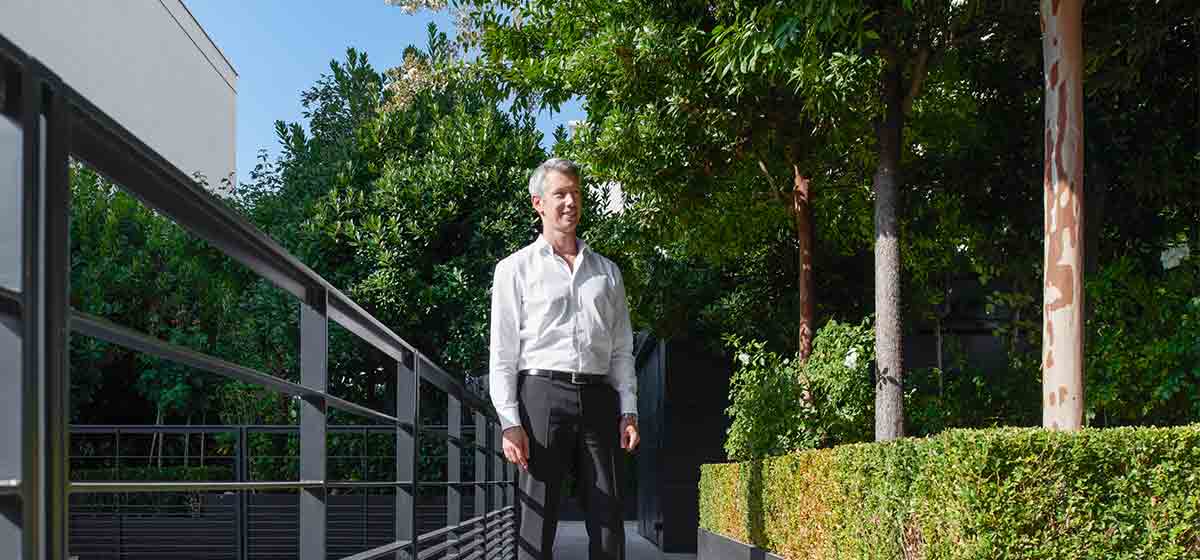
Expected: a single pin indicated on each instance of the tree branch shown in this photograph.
(762, 166)
(920, 71)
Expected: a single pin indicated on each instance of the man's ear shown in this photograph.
(536, 201)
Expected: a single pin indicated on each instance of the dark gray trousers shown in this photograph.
(571, 428)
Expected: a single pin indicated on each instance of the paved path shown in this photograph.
(572, 544)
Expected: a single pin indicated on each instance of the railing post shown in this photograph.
(240, 472)
(453, 469)
(119, 497)
(406, 452)
(366, 492)
(481, 488)
(13, 334)
(498, 490)
(314, 344)
(56, 381)
(510, 499)
(492, 516)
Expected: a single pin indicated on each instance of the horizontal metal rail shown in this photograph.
(466, 545)
(135, 486)
(469, 535)
(10, 302)
(10, 487)
(100, 429)
(103, 329)
(379, 551)
(437, 533)
(434, 550)
(369, 484)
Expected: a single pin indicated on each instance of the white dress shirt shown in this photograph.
(546, 315)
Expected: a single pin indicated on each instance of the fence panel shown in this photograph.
(281, 517)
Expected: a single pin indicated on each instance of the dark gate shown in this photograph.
(683, 394)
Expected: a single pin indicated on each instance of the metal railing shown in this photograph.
(58, 124)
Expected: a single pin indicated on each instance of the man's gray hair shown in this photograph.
(537, 182)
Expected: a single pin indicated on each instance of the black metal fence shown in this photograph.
(203, 525)
(54, 124)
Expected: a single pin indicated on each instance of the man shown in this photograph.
(562, 377)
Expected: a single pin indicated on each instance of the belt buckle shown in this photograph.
(578, 379)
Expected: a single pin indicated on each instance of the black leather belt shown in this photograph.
(568, 376)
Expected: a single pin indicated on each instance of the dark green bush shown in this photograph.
(1143, 351)
(778, 405)
(1004, 493)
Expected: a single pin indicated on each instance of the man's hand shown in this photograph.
(516, 447)
(629, 432)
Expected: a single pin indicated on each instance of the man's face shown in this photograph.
(559, 205)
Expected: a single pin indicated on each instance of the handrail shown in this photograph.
(103, 329)
(59, 123)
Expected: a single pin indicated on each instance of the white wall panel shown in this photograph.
(146, 63)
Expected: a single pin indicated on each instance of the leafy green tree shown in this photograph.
(134, 267)
(715, 157)
(408, 190)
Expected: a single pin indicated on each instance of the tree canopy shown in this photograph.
(725, 126)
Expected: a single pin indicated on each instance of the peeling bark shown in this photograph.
(1063, 321)
(889, 395)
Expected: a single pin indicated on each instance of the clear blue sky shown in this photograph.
(280, 48)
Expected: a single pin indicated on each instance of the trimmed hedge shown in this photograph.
(1003, 493)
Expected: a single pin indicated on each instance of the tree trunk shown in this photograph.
(1062, 327)
(889, 395)
(802, 214)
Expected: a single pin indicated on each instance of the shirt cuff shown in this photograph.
(510, 416)
(628, 403)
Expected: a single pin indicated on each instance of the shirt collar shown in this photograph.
(543, 247)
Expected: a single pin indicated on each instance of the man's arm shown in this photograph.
(622, 375)
(505, 344)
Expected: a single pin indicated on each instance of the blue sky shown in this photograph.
(280, 48)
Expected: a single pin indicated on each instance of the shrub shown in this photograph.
(1143, 351)
(778, 405)
(1003, 493)
(764, 403)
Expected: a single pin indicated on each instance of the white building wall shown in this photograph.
(11, 205)
(146, 63)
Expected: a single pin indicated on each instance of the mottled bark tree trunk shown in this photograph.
(889, 395)
(802, 214)
(1063, 325)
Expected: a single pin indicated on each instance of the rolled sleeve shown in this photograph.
(622, 375)
(505, 345)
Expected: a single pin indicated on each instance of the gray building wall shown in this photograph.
(10, 205)
(146, 63)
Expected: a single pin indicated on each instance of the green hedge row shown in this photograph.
(1003, 493)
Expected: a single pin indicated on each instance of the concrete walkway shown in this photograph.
(571, 544)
